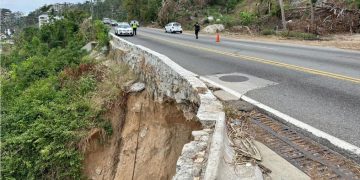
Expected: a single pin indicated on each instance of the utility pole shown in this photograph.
(112, 11)
(312, 9)
(281, 3)
(92, 9)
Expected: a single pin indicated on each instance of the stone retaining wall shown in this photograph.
(166, 79)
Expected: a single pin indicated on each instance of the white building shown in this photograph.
(43, 19)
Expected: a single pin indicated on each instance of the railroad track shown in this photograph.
(317, 161)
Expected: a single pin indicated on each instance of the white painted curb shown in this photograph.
(318, 133)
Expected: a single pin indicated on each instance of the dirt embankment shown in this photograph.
(344, 41)
(146, 142)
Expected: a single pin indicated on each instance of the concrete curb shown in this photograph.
(168, 79)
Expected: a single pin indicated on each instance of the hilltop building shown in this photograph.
(46, 19)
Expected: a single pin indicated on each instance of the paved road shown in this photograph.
(318, 86)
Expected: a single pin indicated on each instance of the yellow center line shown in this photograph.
(264, 61)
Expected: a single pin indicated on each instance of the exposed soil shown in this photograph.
(146, 142)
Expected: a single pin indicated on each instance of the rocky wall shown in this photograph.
(166, 79)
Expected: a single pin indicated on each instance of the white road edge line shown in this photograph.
(333, 140)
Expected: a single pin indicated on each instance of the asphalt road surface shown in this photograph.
(318, 86)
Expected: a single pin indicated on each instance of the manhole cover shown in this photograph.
(233, 78)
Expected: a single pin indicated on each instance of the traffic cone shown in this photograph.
(217, 37)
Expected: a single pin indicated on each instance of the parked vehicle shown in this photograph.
(106, 21)
(121, 23)
(173, 27)
(124, 29)
(114, 23)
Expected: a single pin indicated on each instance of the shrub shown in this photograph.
(43, 114)
(357, 2)
(276, 11)
(267, 32)
(230, 21)
(38, 131)
(230, 4)
(299, 35)
(247, 18)
(101, 33)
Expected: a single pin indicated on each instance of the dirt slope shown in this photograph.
(147, 139)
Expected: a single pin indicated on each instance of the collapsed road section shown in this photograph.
(168, 82)
(213, 151)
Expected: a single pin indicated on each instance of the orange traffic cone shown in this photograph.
(217, 37)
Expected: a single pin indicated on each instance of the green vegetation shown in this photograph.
(101, 33)
(126, 10)
(47, 81)
(143, 10)
(357, 2)
(229, 21)
(299, 35)
(231, 4)
(247, 18)
(268, 32)
(290, 34)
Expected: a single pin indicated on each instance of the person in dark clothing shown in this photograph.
(197, 29)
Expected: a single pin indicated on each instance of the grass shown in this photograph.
(115, 77)
(290, 34)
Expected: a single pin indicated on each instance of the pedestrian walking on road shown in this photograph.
(197, 29)
(134, 27)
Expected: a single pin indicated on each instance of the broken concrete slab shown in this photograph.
(243, 172)
(240, 105)
(137, 87)
(281, 169)
(225, 96)
(89, 46)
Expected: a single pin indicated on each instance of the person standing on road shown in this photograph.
(197, 29)
(134, 27)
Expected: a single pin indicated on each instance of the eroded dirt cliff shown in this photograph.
(146, 142)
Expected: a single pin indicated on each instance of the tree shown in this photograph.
(230, 4)
(281, 3)
(132, 7)
(312, 4)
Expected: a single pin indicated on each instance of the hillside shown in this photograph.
(260, 16)
(47, 81)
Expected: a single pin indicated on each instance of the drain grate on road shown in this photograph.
(233, 78)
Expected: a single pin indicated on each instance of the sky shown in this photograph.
(27, 6)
